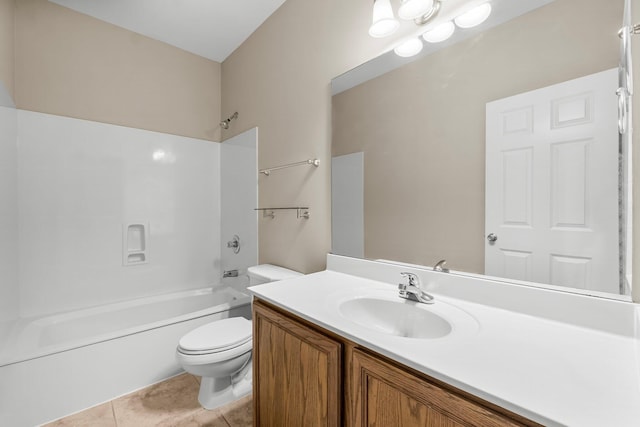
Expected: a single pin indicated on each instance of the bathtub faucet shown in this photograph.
(230, 273)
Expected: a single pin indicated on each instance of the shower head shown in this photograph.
(225, 123)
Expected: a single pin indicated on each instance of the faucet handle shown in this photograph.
(440, 266)
(413, 279)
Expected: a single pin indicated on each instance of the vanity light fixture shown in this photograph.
(473, 17)
(384, 23)
(439, 33)
(421, 12)
(409, 47)
(413, 9)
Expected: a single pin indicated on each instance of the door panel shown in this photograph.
(386, 395)
(296, 373)
(569, 192)
(517, 187)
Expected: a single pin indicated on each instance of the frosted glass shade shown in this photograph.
(384, 23)
(409, 48)
(473, 17)
(439, 33)
(412, 9)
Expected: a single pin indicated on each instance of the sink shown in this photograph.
(400, 318)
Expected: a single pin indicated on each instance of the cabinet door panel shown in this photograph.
(385, 395)
(296, 373)
(387, 406)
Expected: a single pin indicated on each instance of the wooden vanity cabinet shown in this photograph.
(297, 373)
(306, 376)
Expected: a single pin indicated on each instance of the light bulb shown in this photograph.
(409, 47)
(473, 17)
(384, 23)
(440, 33)
(412, 9)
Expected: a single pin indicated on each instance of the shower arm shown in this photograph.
(225, 123)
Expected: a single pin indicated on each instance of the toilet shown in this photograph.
(220, 351)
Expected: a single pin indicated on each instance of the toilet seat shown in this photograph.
(214, 357)
(231, 336)
(215, 350)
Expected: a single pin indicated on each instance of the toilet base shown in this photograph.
(216, 392)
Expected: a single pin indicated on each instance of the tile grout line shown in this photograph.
(113, 412)
(225, 419)
(195, 379)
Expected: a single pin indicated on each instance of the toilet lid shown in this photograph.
(217, 336)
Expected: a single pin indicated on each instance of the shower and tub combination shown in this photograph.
(114, 247)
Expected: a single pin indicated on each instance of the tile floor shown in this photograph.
(173, 402)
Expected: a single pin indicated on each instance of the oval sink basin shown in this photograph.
(401, 318)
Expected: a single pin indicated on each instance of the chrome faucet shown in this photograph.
(230, 273)
(412, 291)
(440, 266)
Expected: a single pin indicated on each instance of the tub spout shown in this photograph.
(230, 273)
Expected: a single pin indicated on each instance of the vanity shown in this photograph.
(340, 347)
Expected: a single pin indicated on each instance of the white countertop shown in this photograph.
(553, 372)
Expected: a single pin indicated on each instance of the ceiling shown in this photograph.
(209, 28)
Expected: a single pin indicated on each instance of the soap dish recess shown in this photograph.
(135, 236)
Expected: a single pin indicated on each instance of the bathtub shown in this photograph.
(55, 365)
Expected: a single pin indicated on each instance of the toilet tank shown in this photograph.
(265, 273)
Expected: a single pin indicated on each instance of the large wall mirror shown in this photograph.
(499, 151)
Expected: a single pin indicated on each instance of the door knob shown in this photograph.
(492, 238)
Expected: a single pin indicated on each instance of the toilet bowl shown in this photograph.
(220, 351)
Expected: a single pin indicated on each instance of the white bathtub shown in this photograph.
(55, 365)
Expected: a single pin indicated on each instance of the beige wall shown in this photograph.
(73, 65)
(7, 8)
(422, 127)
(279, 80)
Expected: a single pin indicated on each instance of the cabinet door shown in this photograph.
(296, 373)
(385, 395)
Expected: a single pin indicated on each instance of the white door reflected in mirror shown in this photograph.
(552, 185)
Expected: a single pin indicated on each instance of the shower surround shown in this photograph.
(81, 182)
(70, 191)
(8, 218)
